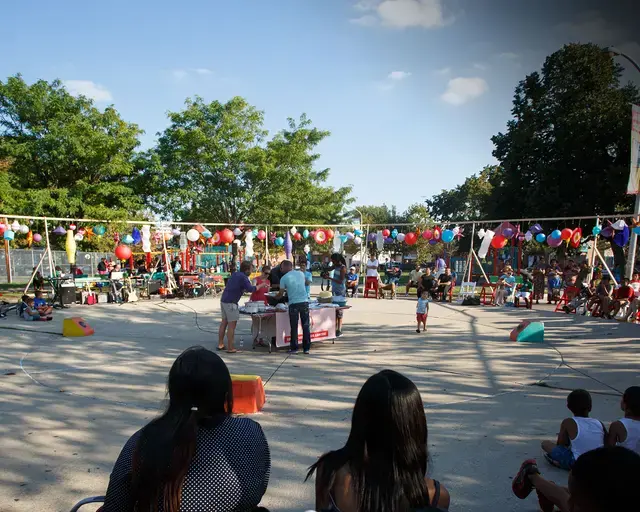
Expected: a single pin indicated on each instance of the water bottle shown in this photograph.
(241, 342)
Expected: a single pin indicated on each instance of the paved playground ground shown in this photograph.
(68, 405)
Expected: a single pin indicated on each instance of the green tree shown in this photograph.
(566, 152)
(62, 156)
(470, 201)
(214, 163)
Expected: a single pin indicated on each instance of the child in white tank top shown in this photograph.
(578, 434)
(626, 431)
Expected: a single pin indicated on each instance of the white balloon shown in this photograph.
(24, 229)
(15, 226)
(481, 234)
(357, 240)
(293, 230)
(237, 231)
(306, 249)
(400, 237)
(528, 236)
(456, 230)
(193, 235)
(350, 235)
(79, 237)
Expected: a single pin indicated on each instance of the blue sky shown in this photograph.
(412, 90)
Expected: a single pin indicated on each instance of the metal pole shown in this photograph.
(633, 244)
(48, 248)
(7, 253)
(470, 261)
(592, 260)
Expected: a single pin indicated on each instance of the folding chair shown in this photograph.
(467, 289)
(86, 501)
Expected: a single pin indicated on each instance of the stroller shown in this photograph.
(579, 301)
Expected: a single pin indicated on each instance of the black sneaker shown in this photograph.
(306, 352)
(292, 351)
(417, 330)
(338, 334)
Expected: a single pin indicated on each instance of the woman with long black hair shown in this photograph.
(383, 466)
(196, 457)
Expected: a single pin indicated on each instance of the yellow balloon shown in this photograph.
(70, 247)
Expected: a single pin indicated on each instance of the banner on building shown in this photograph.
(633, 187)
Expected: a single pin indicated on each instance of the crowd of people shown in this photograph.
(197, 456)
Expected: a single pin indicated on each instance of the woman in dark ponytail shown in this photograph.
(196, 456)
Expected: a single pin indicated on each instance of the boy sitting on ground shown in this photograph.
(41, 305)
(29, 312)
(602, 480)
(577, 435)
(626, 431)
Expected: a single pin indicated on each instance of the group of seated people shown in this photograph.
(198, 456)
(602, 298)
(437, 287)
(583, 442)
(35, 308)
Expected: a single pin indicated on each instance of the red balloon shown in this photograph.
(297, 236)
(2, 228)
(427, 234)
(566, 234)
(226, 236)
(262, 235)
(410, 238)
(329, 233)
(498, 241)
(123, 252)
(386, 233)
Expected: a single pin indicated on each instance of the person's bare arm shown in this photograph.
(617, 433)
(323, 500)
(568, 431)
(445, 498)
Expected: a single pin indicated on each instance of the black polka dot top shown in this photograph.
(229, 472)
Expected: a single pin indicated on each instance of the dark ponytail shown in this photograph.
(199, 393)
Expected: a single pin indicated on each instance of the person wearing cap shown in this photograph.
(352, 281)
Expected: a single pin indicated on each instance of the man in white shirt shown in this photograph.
(371, 282)
(635, 303)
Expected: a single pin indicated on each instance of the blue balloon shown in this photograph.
(9, 235)
(388, 240)
(596, 230)
(432, 242)
(540, 237)
(394, 233)
(206, 234)
(447, 236)
(555, 234)
(255, 232)
(357, 232)
(636, 230)
(305, 233)
(344, 238)
(279, 241)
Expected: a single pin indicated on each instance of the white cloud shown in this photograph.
(89, 89)
(402, 13)
(480, 66)
(398, 75)
(461, 90)
(179, 74)
(509, 56)
(202, 71)
(443, 71)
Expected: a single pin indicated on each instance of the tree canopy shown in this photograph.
(565, 152)
(61, 156)
(215, 163)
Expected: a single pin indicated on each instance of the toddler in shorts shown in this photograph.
(422, 311)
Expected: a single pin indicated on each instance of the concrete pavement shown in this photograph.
(68, 405)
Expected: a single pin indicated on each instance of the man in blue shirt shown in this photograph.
(293, 282)
(352, 281)
(308, 277)
(237, 284)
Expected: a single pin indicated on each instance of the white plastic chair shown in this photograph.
(467, 289)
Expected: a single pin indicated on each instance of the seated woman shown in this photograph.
(196, 457)
(29, 312)
(383, 465)
(506, 285)
(260, 295)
